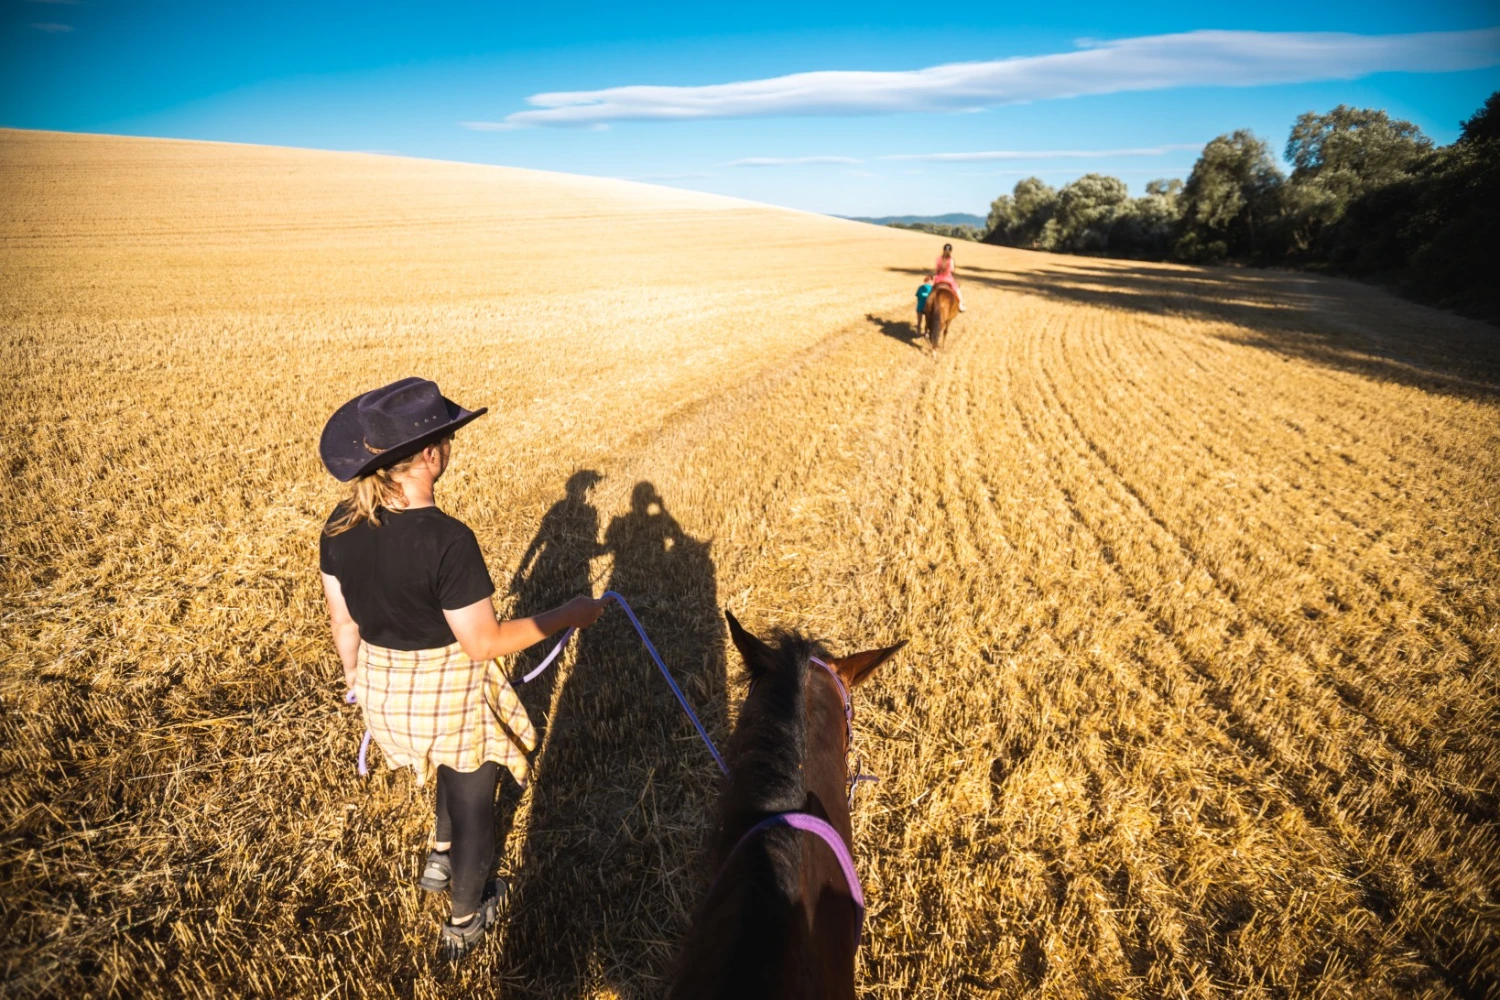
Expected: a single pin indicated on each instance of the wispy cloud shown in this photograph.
(1197, 58)
(1045, 154)
(491, 126)
(790, 161)
(53, 29)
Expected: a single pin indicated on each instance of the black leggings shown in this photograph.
(466, 816)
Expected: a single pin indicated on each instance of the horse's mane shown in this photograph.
(770, 739)
(743, 923)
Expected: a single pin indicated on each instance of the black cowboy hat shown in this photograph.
(385, 425)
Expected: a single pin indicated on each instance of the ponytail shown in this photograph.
(367, 494)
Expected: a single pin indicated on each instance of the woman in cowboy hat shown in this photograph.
(409, 600)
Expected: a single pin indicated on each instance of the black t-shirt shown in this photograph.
(398, 578)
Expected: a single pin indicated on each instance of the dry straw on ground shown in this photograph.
(1199, 569)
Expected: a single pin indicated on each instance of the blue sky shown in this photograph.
(693, 96)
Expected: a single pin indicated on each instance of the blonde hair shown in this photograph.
(367, 494)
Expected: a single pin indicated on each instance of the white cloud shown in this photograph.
(53, 29)
(490, 126)
(1197, 58)
(789, 161)
(1045, 154)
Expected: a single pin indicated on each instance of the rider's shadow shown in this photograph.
(608, 874)
(554, 569)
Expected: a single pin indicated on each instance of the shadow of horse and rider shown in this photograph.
(606, 880)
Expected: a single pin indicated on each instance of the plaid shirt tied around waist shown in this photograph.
(427, 707)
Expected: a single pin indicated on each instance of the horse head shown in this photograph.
(783, 915)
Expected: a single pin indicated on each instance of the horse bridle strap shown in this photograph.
(855, 776)
(821, 828)
(848, 703)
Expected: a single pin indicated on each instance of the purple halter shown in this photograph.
(821, 828)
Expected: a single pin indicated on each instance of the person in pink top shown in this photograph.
(943, 271)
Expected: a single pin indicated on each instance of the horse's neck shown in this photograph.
(761, 934)
(814, 781)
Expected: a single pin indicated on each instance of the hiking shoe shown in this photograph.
(456, 940)
(437, 872)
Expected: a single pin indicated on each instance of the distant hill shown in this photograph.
(951, 219)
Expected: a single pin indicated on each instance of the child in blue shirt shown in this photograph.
(922, 293)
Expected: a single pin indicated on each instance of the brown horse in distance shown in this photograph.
(942, 306)
(779, 919)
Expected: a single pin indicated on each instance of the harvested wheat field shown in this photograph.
(1200, 569)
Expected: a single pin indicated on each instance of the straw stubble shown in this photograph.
(1199, 570)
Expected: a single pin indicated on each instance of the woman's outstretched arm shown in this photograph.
(484, 638)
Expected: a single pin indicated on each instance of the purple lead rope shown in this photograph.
(670, 682)
(362, 764)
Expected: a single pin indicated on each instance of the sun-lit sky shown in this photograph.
(858, 109)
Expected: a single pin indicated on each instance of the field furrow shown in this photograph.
(1200, 570)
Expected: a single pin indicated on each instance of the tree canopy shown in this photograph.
(1367, 195)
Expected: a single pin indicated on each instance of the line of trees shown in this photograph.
(1367, 195)
(944, 229)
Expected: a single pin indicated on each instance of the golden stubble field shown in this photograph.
(1199, 569)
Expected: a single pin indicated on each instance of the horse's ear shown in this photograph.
(857, 667)
(757, 655)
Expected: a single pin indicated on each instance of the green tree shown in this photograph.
(1002, 216)
(1341, 156)
(1230, 200)
(1020, 218)
(1431, 232)
(1484, 123)
(1146, 227)
(1087, 210)
(1354, 149)
(1458, 214)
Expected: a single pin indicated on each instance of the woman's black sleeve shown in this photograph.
(463, 577)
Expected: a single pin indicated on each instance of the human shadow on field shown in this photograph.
(1327, 321)
(554, 569)
(624, 788)
(897, 330)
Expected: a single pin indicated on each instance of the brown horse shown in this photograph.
(942, 306)
(782, 917)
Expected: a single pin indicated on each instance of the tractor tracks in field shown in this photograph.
(976, 538)
(1060, 424)
(1385, 703)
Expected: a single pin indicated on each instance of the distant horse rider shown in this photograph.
(409, 601)
(943, 272)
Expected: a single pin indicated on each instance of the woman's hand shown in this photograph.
(581, 612)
